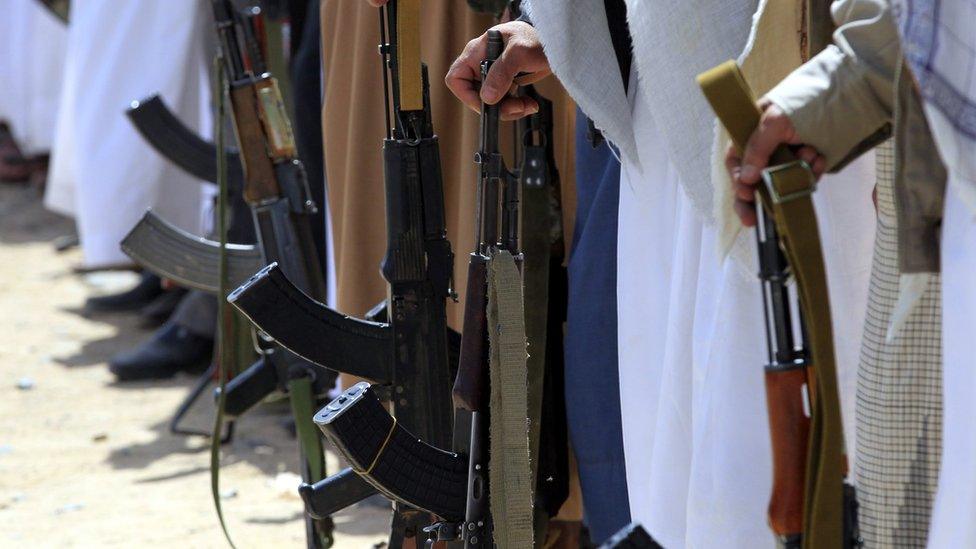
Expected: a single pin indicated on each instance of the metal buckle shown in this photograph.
(768, 174)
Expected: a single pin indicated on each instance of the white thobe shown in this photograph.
(33, 42)
(103, 172)
(955, 501)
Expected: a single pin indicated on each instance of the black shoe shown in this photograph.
(160, 309)
(171, 349)
(148, 289)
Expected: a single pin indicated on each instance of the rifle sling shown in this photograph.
(408, 55)
(510, 477)
(787, 197)
(225, 328)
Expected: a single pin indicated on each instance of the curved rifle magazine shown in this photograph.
(189, 260)
(312, 330)
(392, 459)
(179, 144)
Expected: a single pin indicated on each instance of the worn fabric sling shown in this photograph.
(510, 476)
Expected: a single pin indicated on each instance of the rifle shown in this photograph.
(276, 190)
(408, 355)
(811, 504)
(452, 486)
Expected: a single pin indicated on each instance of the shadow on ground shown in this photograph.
(24, 219)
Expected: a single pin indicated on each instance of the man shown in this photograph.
(695, 435)
(881, 85)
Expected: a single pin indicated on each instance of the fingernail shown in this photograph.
(532, 110)
(749, 174)
(737, 175)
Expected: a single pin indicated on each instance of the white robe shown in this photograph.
(103, 173)
(33, 45)
(692, 349)
(955, 500)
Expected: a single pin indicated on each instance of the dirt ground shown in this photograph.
(85, 462)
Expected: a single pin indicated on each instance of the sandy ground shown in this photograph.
(85, 462)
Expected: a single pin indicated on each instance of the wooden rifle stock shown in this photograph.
(789, 428)
(259, 177)
(471, 383)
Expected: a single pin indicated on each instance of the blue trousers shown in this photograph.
(592, 383)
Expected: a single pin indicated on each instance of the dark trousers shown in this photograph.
(592, 382)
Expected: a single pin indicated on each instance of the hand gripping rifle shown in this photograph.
(811, 506)
(277, 193)
(409, 355)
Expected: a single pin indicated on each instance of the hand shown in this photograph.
(522, 62)
(775, 129)
(377, 3)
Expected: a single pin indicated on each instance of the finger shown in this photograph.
(808, 155)
(377, 3)
(732, 161)
(502, 73)
(746, 193)
(771, 133)
(746, 213)
(513, 108)
(531, 78)
(463, 76)
(819, 166)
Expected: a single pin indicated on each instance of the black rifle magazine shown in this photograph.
(187, 259)
(391, 458)
(179, 144)
(632, 536)
(312, 330)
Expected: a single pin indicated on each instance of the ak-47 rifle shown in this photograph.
(409, 355)
(452, 486)
(811, 505)
(277, 192)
